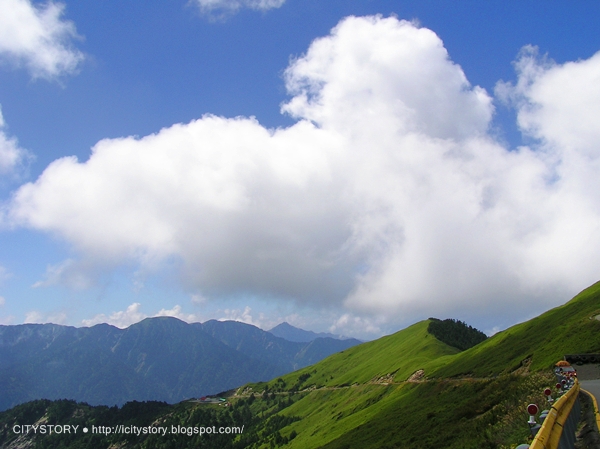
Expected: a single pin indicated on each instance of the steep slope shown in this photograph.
(320, 348)
(361, 397)
(359, 394)
(391, 358)
(347, 389)
(538, 343)
(347, 400)
(429, 415)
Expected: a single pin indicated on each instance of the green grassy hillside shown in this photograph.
(353, 388)
(537, 343)
(438, 414)
(474, 398)
(393, 358)
(367, 397)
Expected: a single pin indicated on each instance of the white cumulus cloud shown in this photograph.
(121, 319)
(38, 37)
(133, 314)
(390, 75)
(176, 312)
(12, 157)
(245, 316)
(241, 206)
(388, 196)
(37, 317)
(347, 324)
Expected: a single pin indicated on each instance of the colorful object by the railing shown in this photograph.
(548, 394)
(558, 429)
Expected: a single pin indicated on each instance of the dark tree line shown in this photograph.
(455, 333)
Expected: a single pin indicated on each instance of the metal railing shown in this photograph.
(559, 426)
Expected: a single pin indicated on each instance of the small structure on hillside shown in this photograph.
(211, 400)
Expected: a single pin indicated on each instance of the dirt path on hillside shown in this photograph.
(247, 392)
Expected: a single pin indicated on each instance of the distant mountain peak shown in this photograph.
(158, 358)
(291, 333)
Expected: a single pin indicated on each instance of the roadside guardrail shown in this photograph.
(559, 425)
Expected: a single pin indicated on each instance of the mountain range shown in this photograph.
(292, 333)
(412, 389)
(162, 359)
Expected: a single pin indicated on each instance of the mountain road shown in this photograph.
(593, 386)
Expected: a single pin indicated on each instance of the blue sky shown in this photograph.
(348, 166)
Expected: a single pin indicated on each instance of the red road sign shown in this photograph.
(532, 409)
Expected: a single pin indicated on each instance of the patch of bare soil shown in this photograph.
(416, 376)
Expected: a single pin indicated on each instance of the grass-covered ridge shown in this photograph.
(406, 390)
(535, 344)
(474, 398)
(449, 414)
(393, 358)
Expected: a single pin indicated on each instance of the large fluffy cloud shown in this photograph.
(38, 37)
(373, 72)
(388, 195)
(243, 208)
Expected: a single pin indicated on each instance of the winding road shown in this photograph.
(592, 386)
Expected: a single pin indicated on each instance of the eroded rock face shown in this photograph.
(416, 376)
(384, 380)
